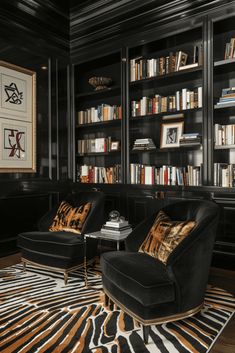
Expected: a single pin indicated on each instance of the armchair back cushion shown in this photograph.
(70, 218)
(94, 218)
(164, 236)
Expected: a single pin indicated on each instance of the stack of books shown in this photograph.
(227, 97)
(143, 144)
(116, 228)
(190, 139)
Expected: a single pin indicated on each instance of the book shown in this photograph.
(116, 224)
(189, 66)
(115, 228)
(116, 232)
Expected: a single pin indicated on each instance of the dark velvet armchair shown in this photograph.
(153, 292)
(62, 250)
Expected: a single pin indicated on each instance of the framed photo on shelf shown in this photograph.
(17, 119)
(170, 134)
(115, 145)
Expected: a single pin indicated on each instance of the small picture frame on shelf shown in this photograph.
(115, 145)
(170, 134)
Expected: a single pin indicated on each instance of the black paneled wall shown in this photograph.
(35, 35)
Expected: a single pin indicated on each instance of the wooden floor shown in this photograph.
(221, 278)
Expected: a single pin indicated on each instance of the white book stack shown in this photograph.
(116, 228)
(144, 144)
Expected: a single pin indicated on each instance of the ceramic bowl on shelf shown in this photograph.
(100, 82)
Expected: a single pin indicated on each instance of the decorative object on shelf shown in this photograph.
(114, 216)
(17, 122)
(170, 134)
(115, 145)
(116, 225)
(100, 82)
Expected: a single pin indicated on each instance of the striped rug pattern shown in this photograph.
(38, 313)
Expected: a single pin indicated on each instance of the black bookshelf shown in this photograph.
(98, 115)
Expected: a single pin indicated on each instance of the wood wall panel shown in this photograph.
(98, 25)
(42, 25)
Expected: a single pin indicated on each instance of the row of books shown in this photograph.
(165, 175)
(224, 134)
(143, 144)
(103, 175)
(181, 100)
(227, 96)
(230, 49)
(224, 175)
(104, 112)
(97, 145)
(190, 139)
(142, 68)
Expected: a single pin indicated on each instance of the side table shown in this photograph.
(101, 236)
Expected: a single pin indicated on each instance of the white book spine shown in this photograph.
(184, 98)
(200, 97)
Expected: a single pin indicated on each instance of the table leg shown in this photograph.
(118, 245)
(85, 264)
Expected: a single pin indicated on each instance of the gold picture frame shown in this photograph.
(17, 119)
(170, 134)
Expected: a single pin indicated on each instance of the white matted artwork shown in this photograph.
(170, 134)
(17, 119)
(16, 144)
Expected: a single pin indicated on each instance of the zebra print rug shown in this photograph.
(38, 313)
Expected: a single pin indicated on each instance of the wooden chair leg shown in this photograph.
(106, 300)
(146, 330)
(24, 266)
(110, 304)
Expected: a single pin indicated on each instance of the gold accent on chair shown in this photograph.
(56, 269)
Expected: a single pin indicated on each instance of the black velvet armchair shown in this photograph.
(153, 292)
(62, 250)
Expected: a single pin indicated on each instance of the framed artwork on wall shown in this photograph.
(17, 119)
(170, 134)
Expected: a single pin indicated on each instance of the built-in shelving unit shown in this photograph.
(98, 119)
(173, 93)
(143, 72)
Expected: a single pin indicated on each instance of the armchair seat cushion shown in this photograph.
(128, 272)
(56, 249)
(61, 243)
